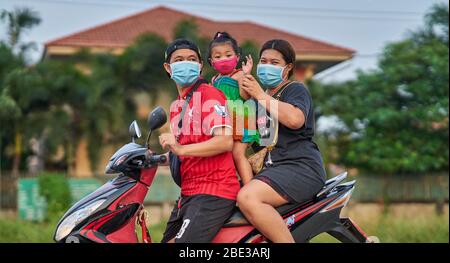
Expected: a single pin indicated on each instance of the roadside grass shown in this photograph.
(389, 229)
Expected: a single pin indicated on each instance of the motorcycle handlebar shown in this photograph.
(155, 159)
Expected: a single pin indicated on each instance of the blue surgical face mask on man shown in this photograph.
(185, 73)
(270, 76)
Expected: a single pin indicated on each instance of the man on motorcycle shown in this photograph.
(202, 141)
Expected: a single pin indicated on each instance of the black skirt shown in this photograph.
(294, 181)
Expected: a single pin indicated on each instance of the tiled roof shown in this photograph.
(162, 20)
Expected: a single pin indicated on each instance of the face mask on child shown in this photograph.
(185, 73)
(225, 66)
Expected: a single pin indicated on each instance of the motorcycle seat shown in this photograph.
(238, 219)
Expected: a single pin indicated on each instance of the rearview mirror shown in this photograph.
(134, 131)
(157, 118)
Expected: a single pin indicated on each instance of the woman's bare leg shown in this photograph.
(257, 201)
(240, 160)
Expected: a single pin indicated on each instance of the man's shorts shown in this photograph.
(197, 218)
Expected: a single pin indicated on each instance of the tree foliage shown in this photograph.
(19, 21)
(396, 117)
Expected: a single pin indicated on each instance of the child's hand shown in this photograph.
(247, 66)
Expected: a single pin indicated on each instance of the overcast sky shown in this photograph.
(363, 25)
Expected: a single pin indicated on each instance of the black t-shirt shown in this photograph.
(298, 95)
(296, 145)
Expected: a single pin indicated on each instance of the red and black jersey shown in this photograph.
(214, 175)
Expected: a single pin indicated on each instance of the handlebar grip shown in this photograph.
(157, 159)
(162, 159)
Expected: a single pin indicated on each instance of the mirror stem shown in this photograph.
(148, 139)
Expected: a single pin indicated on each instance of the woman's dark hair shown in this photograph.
(221, 38)
(284, 48)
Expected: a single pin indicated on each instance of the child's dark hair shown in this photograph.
(221, 38)
(284, 48)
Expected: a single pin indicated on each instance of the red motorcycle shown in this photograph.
(112, 212)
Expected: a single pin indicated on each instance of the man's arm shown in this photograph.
(222, 141)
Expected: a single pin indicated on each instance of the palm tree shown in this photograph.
(18, 22)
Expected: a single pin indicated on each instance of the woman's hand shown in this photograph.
(167, 140)
(252, 87)
(247, 66)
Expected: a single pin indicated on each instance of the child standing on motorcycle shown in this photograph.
(224, 54)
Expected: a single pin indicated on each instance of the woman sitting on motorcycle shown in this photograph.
(297, 173)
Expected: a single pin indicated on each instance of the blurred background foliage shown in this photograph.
(55, 189)
(394, 120)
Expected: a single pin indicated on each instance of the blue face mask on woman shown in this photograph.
(185, 73)
(270, 76)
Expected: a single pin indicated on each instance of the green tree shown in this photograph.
(114, 84)
(8, 61)
(49, 96)
(140, 67)
(189, 29)
(108, 106)
(18, 22)
(396, 117)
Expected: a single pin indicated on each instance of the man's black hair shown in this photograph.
(181, 44)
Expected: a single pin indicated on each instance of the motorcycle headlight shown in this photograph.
(66, 226)
(120, 160)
